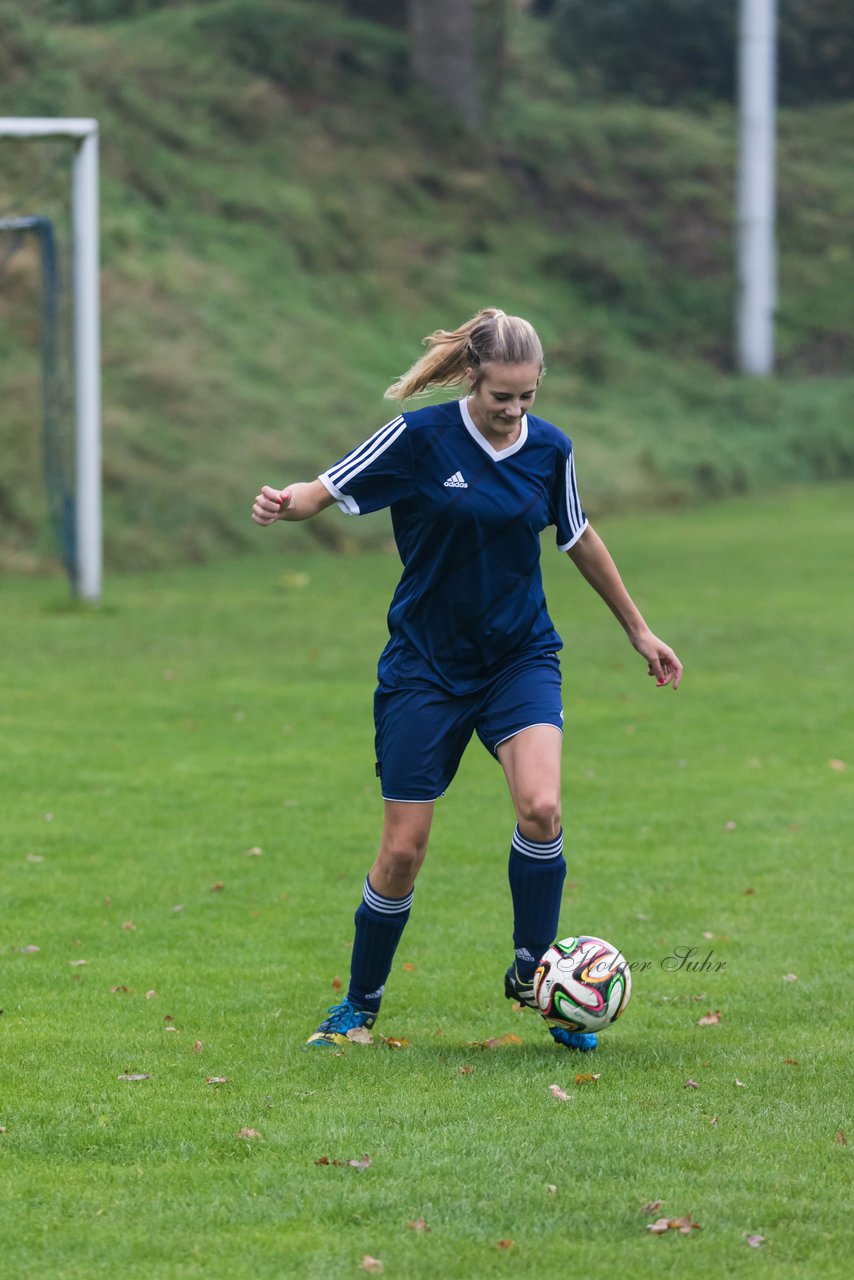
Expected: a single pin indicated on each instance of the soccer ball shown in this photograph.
(582, 984)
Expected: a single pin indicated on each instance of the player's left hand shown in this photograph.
(662, 662)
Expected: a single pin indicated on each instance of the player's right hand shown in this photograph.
(270, 504)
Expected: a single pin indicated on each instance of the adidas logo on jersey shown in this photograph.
(456, 481)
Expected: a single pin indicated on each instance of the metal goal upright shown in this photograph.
(86, 336)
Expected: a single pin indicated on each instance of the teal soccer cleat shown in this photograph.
(583, 1041)
(342, 1018)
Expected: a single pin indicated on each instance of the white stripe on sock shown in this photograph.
(543, 851)
(386, 906)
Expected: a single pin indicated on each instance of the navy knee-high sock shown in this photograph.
(379, 925)
(537, 871)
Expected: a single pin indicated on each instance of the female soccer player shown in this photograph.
(472, 649)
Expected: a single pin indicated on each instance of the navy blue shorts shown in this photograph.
(422, 731)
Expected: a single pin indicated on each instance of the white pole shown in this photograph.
(87, 364)
(757, 270)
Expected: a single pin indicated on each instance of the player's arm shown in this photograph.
(297, 502)
(593, 560)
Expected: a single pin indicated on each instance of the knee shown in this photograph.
(539, 816)
(401, 859)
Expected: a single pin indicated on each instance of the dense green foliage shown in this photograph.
(284, 216)
(226, 709)
(670, 51)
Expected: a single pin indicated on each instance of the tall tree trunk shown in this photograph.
(444, 52)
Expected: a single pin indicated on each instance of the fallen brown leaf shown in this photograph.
(691, 1084)
(129, 1075)
(658, 1227)
(217, 1080)
(122, 989)
(713, 1123)
(395, 1042)
(337, 984)
(360, 1035)
(652, 1207)
(465, 1071)
(556, 1092)
(710, 1019)
(791, 1062)
(840, 1139)
(683, 1225)
(371, 1264)
(755, 1242)
(30, 949)
(254, 852)
(129, 925)
(495, 1042)
(790, 977)
(419, 1224)
(409, 967)
(215, 888)
(361, 1165)
(838, 766)
(740, 1083)
(505, 1244)
(587, 1077)
(198, 1047)
(248, 1133)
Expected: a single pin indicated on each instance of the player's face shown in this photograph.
(501, 398)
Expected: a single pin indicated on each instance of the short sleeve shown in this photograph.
(375, 474)
(567, 513)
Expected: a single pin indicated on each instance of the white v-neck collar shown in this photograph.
(497, 455)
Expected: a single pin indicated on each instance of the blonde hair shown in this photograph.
(489, 336)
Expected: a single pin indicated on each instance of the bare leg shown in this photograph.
(403, 846)
(531, 763)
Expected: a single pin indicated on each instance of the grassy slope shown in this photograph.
(279, 229)
(209, 705)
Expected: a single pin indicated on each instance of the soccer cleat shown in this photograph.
(342, 1018)
(583, 1041)
(515, 988)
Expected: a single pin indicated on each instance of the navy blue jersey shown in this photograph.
(467, 520)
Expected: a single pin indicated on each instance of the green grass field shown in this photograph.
(200, 714)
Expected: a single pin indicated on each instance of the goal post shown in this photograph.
(86, 336)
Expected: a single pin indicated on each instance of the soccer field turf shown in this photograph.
(189, 810)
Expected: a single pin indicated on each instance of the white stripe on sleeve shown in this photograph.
(364, 454)
(577, 518)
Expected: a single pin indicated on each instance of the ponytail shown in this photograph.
(489, 336)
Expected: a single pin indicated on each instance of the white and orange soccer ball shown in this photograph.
(583, 984)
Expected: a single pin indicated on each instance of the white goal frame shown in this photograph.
(86, 321)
